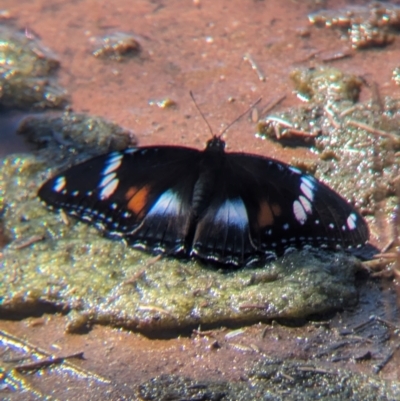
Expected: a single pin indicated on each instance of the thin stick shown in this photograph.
(25, 242)
(44, 363)
(370, 129)
(254, 66)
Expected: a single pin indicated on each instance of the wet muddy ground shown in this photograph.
(205, 47)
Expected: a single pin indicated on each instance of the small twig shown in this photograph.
(349, 110)
(254, 66)
(234, 333)
(286, 376)
(64, 217)
(299, 132)
(387, 246)
(25, 242)
(358, 338)
(137, 276)
(386, 322)
(279, 120)
(386, 255)
(154, 260)
(264, 332)
(205, 333)
(152, 308)
(370, 129)
(314, 370)
(44, 363)
(241, 347)
(363, 324)
(335, 55)
(379, 366)
(331, 117)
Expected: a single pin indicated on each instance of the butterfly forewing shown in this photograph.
(140, 194)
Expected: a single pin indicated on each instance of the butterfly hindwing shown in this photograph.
(223, 233)
(290, 208)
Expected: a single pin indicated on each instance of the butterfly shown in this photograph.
(235, 209)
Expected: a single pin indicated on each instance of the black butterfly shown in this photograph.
(232, 208)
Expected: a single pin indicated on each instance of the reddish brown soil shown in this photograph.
(196, 46)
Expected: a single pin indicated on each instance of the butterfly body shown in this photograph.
(231, 208)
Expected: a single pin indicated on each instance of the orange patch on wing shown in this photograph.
(265, 214)
(276, 209)
(137, 199)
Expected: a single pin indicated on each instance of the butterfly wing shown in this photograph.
(264, 207)
(140, 194)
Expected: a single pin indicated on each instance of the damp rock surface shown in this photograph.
(72, 267)
(274, 380)
(371, 25)
(27, 73)
(73, 133)
(115, 46)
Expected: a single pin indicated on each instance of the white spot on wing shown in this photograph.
(308, 181)
(307, 191)
(108, 178)
(167, 204)
(112, 164)
(59, 184)
(351, 221)
(109, 189)
(306, 204)
(295, 170)
(130, 151)
(299, 212)
(233, 212)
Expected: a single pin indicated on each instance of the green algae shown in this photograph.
(325, 84)
(74, 268)
(27, 73)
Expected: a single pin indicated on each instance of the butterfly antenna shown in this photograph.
(238, 118)
(201, 113)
